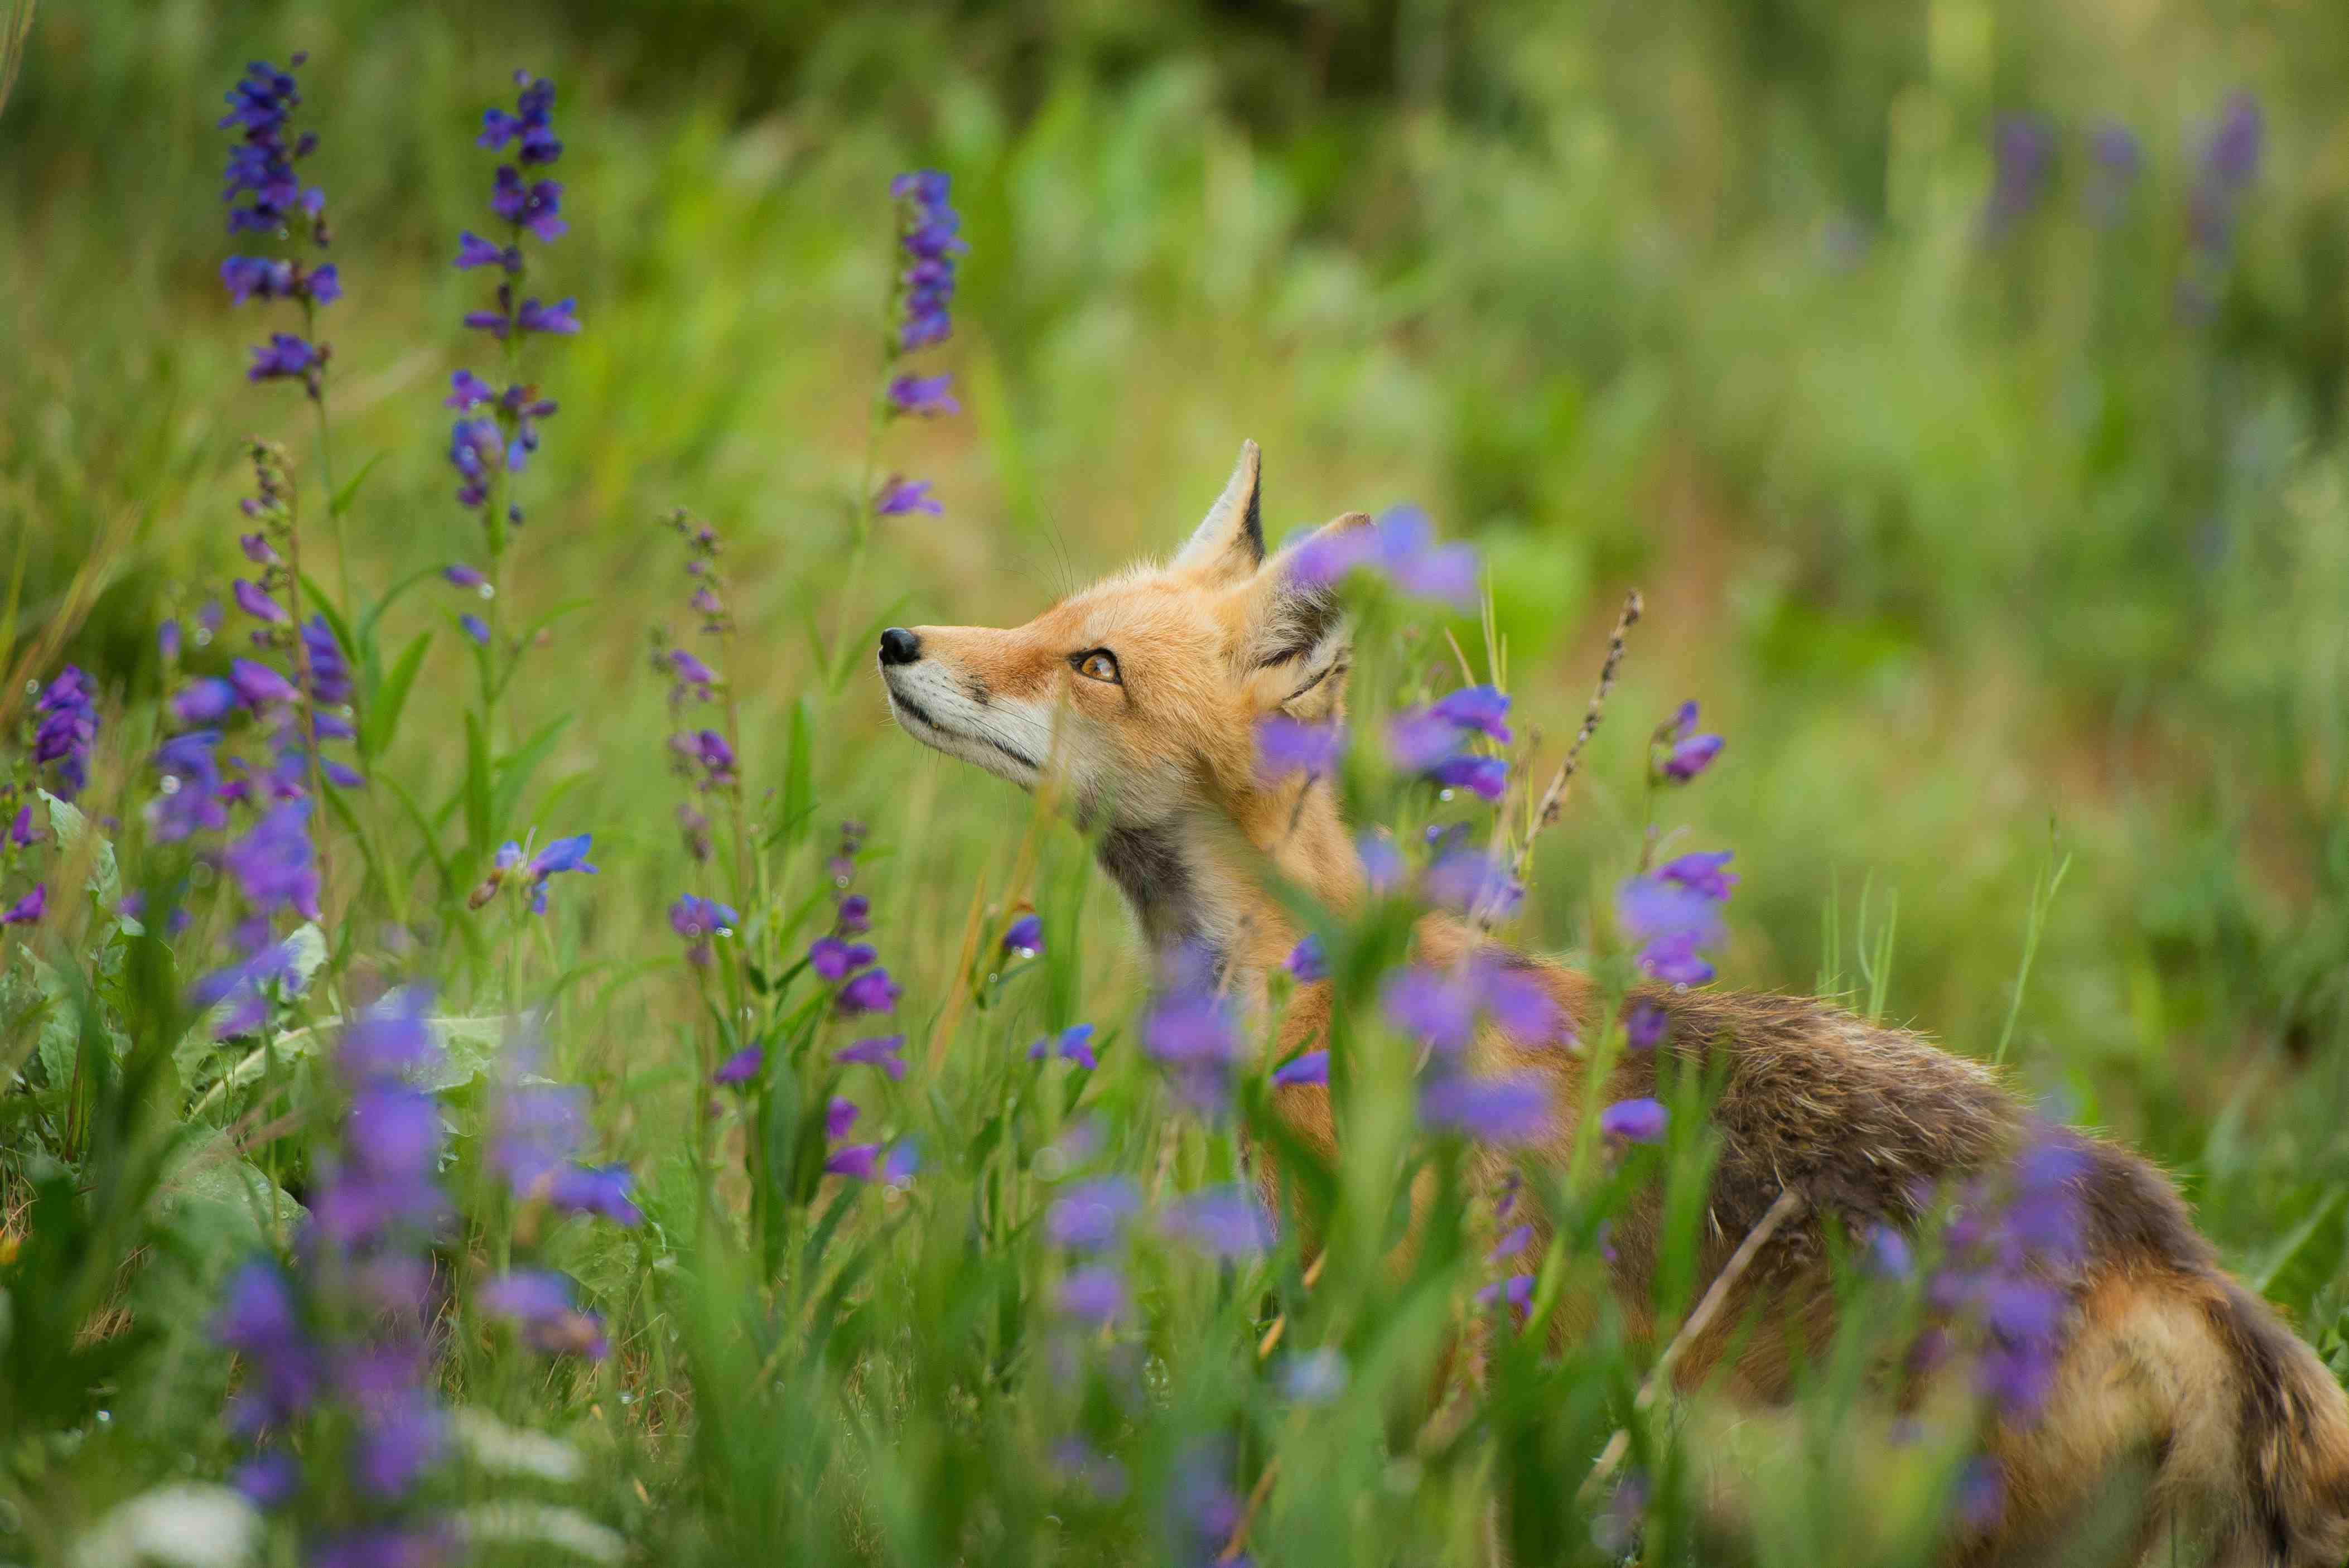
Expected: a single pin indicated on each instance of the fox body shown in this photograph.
(1140, 697)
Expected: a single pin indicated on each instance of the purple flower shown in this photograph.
(283, 355)
(1511, 1245)
(1483, 709)
(834, 959)
(1887, 1253)
(28, 909)
(1189, 1030)
(859, 1162)
(1518, 1291)
(275, 864)
(881, 1051)
(927, 396)
(1400, 546)
(1487, 776)
(1465, 881)
(1510, 1110)
(1382, 866)
(206, 700)
(899, 497)
(562, 318)
(460, 575)
(1655, 911)
(1684, 753)
(473, 251)
(1285, 746)
(476, 451)
(268, 1481)
(528, 125)
(258, 685)
(475, 628)
(871, 991)
(1221, 1221)
(1094, 1294)
(1089, 1216)
(1306, 963)
(839, 1115)
(389, 1038)
(854, 915)
(21, 832)
(926, 232)
(1644, 1024)
(739, 1068)
(605, 1189)
(190, 801)
(1026, 935)
(1518, 1002)
(1418, 741)
(697, 920)
(1306, 1068)
(1430, 1007)
(247, 276)
(536, 206)
(1703, 874)
(65, 728)
(260, 164)
(1635, 1120)
(1075, 1044)
(2119, 158)
(167, 639)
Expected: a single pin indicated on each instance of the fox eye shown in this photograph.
(1099, 664)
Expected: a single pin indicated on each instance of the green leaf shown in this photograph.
(2304, 1237)
(380, 721)
(514, 773)
(72, 831)
(468, 1048)
(798, 776)
(477, 784)
(340, 502)
(222, 1205)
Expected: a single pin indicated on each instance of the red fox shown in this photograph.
(1141, 696)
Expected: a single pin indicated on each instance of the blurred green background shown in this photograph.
(1961, 382)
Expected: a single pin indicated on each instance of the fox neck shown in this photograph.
(1202, 878)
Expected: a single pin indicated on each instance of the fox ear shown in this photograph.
(1230, 543)
(1298, 645)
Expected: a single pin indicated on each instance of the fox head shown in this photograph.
(1140, 697)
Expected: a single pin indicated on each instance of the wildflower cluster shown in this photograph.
(1399, 547)
(538, 1129)
(338, 1397)
(265, 196)
(700, 756)
(1434, 742)
(496, 428)
(920, 317)
(516, 866)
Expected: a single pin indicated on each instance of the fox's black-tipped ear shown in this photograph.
(1230, 543)
(1298, 645)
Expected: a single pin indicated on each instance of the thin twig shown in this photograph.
(1790, 1206)
(1553, 800)
(1257, 1494)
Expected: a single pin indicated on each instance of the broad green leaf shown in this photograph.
(76, 837)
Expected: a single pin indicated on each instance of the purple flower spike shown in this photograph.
(273, 862)
(1094, 1294)
(1310, 1067)
(839, 1115)
(871, 991)
(1026, 935)
(1431, 1008)
(882, 1051)
(1221, 1222)
(21, 832)
(1512, 1109)
(834, 959)
(27, 910)
(1307, 962)
(1635, 1120)
(1485, 777)
(859, 1162)
(1089, 1216)
(1285, 746)
(1483, 709)
(739, 1068)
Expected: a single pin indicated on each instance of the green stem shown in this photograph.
(327, 470)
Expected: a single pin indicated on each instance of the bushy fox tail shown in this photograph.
(2293, 1435)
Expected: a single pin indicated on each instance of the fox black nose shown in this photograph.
(899, 646)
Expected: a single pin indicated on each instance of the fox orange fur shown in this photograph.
(1142, 694)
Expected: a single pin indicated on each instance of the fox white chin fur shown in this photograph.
(1140, 697)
